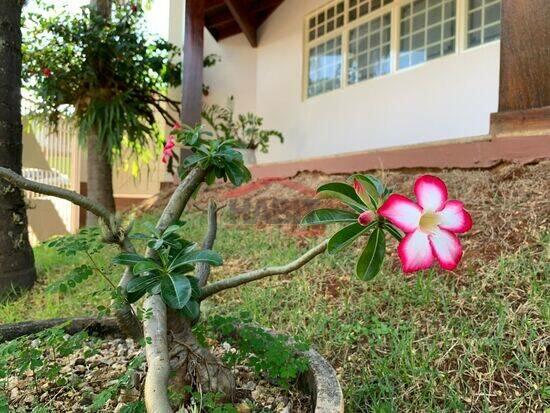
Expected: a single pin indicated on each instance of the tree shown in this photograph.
(101, 69)
(16, 256)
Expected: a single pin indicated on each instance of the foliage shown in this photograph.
(274, 355)
(111, 75)
(363, 198)
(217, 156)
(167, 273)
(247, 129)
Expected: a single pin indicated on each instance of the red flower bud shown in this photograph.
(366, 218)
(46, 71)
(134, 8)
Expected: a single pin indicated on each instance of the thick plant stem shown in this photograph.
(154, 329)
(203, 268)
(158, 362)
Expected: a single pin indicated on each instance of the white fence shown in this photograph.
(53, 160)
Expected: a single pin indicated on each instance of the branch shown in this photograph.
(255, 275)
(23, 183)
(203, 268)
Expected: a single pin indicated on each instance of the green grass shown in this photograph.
(433, 343)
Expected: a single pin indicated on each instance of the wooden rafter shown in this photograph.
(244, 19)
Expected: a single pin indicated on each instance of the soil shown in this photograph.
(509, 203)
(88, 376)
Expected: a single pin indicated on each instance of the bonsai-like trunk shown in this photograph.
(16, 256)
(100, 177)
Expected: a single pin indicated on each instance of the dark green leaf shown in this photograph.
(142, 283)
(342, 192)
(394, 232)
(327, 216)
(191, 310)
(211, 257)
(175, 290)
(128, 258)
(371, 259)
(147, 265)
(346, 236)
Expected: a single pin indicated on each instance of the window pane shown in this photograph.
(483, 21)
(325, 67)
(433, 28)
(369, 49)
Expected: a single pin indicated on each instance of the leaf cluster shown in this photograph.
(168, 273)
(270, 354)
(365, 196)
(217, 156)
(246, 129)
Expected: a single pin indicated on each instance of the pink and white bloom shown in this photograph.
(168, 151)
(430, 225)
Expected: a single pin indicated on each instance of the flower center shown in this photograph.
(429, 221)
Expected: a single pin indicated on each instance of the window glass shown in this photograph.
(325, 67)
(428, 31)
(369, 49)
(483, 21)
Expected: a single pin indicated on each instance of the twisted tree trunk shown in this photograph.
(16, 256)
(100, 177)
(100, 170)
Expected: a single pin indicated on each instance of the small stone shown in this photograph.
(249, 386)
(80, 361)
(14, 393)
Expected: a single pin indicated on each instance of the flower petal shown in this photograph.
(446, 248)
(455, 218)
(402, 212)
(431, 192)
(415, 252)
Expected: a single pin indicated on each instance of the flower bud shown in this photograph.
(366, 218)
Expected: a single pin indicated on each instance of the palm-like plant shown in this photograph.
(107, 74)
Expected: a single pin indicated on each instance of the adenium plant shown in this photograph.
(169, 277)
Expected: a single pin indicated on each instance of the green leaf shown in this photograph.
(128, 258)
(327, 216)
(142, 283)
(369, 194)
(211, 257)
(147, 265)
(342, 192)
(346, 236)
(371, 259)
(170, 230)
(394, 232)
(374, 182)
(191, 310)
(175, 290)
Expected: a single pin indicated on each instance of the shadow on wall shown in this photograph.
(44, 220)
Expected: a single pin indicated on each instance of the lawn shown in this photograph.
(473, 340)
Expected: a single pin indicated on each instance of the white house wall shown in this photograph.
(450, 97)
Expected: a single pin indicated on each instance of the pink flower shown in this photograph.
(176, 126)
(168, 151)
(430, 225)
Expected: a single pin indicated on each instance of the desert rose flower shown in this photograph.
(168, 151)
(430, 225)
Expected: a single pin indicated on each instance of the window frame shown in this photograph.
(394, 8)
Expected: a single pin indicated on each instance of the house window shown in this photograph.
(326, 21)
(360, 8)
(483, 21)
(428, 31)
(325, 67)
(369, 49)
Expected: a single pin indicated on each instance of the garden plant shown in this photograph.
(171, 277)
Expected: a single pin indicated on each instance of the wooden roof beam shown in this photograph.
(244, 19)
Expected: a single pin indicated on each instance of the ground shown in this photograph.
(475, 339)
